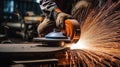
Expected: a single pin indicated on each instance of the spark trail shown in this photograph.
(100, 35)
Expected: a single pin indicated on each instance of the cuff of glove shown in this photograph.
(56, 12)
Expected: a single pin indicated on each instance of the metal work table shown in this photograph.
(28, 53)
(19, 48)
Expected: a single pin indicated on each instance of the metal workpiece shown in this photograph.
(29, 54)
(28, 48)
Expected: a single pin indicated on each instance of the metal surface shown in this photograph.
(36, 61)
(2, 35)
(19, 48)
(51, 40)
(28, 54)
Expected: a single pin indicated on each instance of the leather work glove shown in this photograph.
(61, 17)
(45, 26)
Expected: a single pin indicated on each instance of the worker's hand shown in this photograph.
(61, 17)
(44, 26)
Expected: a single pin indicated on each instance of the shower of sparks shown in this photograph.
(99, 43)
(81, 44)
(101, 29)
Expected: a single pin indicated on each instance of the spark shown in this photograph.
(101, 29)
(81, 44)
(99, 43)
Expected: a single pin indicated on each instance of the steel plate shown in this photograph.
(50, 40)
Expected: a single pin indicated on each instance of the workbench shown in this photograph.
(28, 53)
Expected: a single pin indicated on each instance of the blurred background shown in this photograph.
(13, 14)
